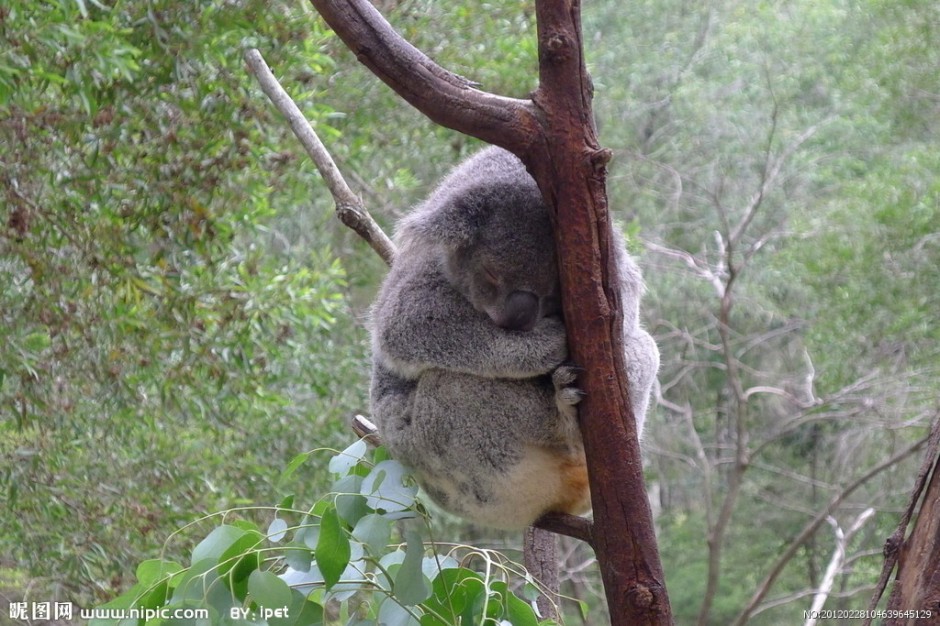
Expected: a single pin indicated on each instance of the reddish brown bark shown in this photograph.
(915, 598)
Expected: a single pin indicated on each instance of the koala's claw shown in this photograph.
(567, 397)
(564, 376)
(566, 394)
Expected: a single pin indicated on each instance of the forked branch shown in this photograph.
(446, 98)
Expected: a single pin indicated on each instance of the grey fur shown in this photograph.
(469, 384)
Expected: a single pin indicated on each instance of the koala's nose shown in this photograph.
(521, 312)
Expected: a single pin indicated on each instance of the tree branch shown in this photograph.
(540, 552)
(892, 549)
(570, 168)
(446, 98)
(835, 563)
(349, 208)
(569, 525)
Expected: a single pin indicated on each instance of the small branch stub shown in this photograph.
(557, 46)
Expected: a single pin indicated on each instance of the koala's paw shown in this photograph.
(550, 343)
(567, 396)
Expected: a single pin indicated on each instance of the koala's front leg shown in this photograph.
(457, 338)
(525, 354)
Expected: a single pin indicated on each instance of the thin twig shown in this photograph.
(349, 208)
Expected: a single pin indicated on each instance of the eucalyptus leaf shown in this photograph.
(218, 541)
(374, 531)
(277, 530)
(268, 590)
(333, 552)
(348, 458)
(390, 489)
(391, 613)
(411, 587)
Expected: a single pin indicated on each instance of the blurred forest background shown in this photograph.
(181, 314)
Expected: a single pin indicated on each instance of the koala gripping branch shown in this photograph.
(554, 135)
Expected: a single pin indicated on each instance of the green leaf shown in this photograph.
(454, 593)
(195, 582)
(154, 570)
(302, 612)
(583, 606)
(434, 564)
(391, 613)
(380, 454)
(390, 489)
(267, 590)
(218, 541)
(348, 458)
(298, 557)
(350, 505)
(246, 525)
(530, 590)
(277, 530)
(411, 587)
(520, 613)
(332, 553)
(291, 468)
(375, 531)
(242, 557)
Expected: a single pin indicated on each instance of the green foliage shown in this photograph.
(326, 563)
(171, 326)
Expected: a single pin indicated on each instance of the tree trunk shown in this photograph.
(916, 594)
(540, 548)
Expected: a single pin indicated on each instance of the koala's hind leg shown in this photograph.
(567, 397)
(575, 494)
(490, 450)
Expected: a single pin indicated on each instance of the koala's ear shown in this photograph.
(452, 219)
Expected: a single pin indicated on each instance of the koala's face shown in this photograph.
(508, 271)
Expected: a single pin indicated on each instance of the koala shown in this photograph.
(470, 383)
